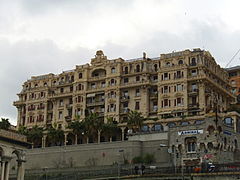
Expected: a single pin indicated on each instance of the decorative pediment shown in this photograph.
(99, 58)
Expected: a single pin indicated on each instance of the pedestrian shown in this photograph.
(142, 168)
(136, 169)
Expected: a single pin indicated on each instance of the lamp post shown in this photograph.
(119, 161)
(171, 151)
(45, 170)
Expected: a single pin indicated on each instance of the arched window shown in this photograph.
(112, 82)
(191, 144)
(168, 64)
(228, 121)
(145, 128)
(158, 127)
(126, 70)
(171, 124)
(72, 78)
(113, 70)
(180, 62)
(155, 67)
(193, 62)
(80, 75)
(138, 68)
(185, 123)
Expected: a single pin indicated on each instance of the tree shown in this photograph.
(4, 124)
(92, 124)
(35, 135)
(56, 136)
(23, 130)
(135, 119)
(77, 128)
(110, 128)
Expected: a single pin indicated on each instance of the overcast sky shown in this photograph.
(43, 36)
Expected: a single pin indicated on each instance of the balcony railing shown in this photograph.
(96, 103)
(195, 105)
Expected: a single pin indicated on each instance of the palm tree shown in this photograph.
(77, 128)
(92, 124)
(35, 135)
(110, 128)
(55, 135)
(135, 119)
(23, 130)
(4, 124)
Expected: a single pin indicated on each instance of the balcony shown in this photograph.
(125, 98)
(125, 110)
(68, 106)
(67, 82)
(96, 103)
(178, 77)
(193, 106)
(62, 94)
(193, 92)
(68, 118)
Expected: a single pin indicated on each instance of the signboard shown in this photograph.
(190, 132)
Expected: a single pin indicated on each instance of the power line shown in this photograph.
(232, 58)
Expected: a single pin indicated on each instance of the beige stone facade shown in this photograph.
(167, 88)
(234, 74)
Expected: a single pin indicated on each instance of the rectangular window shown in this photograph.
(93, 85)
(194, 87)
(60, 102)
(137, 106)
(165, 76)
(179, 87)
(165, 90)
(137, 78)
(194, 72)
(103, 84)
(137, 92)
(60, 115)
(125, 80)
(155, 78)
(125, 94)
(165, 102)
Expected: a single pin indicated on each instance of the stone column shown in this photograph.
(3, 170)
(65, 139)
(44, 141)
(76, 138)
(122, 129)
(99, 135)
(19, 170)
(19, 122)
(7, 169)
(23, 172)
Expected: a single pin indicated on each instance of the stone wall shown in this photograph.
(92, 154)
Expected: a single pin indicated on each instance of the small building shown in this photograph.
(12, 147)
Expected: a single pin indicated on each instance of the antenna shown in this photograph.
(232, 58)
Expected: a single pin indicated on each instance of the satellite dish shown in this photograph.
(238, 99)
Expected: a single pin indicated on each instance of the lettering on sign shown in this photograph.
(190, 132)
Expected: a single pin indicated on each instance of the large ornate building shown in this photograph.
(234, 74)
(167, 88)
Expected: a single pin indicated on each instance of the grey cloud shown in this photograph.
(24, 59)
(39, 7)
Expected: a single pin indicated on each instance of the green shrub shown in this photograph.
(137, 160)
(148, 158)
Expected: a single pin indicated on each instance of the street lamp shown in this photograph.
(119, 151)
(171, 151)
